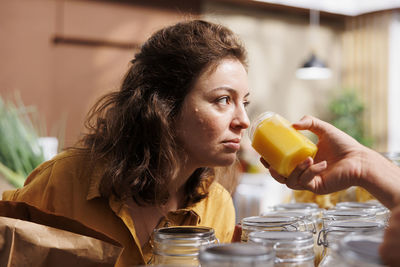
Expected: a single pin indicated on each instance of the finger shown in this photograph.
(313, 124)
(313, 171)
(293, 178)
(266, 165)
(388, 250)
(304, 123)
(237, 233)
(279, 178)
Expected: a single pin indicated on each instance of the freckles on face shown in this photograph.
(203, 128)
(213, 113)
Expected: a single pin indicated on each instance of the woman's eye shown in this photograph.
(246, 103)
(225, 100)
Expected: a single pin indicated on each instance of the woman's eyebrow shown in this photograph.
(230, 89)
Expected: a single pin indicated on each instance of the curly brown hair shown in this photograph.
(133, 128)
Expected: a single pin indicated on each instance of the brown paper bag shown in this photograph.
(31, 237)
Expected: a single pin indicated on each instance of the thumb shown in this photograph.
(312, 124)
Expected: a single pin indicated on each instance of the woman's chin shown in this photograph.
(226, 161)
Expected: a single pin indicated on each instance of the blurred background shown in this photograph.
(334, 59)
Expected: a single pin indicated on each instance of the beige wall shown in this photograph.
(366, 68)
(278, 44)
(63, 80)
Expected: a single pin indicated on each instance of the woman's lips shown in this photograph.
(233, 144)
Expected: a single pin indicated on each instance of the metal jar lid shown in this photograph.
(339, 228)
(183, 232)
(236, 253)
(351, 226)
(296, 206)
(286, 213)
(265, 221)
(342, 214)
(359, 205)
(374, 206)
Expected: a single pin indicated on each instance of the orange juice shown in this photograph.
(282, 146)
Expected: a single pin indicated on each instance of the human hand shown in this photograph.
(390, 247)
(338, 163)
(237, 234)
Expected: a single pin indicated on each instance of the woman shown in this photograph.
(148, 158)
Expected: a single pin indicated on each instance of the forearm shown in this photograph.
(381, 178)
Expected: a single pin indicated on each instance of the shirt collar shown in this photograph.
(94, 183)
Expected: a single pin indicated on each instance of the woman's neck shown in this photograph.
(177, 183)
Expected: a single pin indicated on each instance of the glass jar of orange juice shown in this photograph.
(282, 146)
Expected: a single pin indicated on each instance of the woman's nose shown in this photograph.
(241, 120)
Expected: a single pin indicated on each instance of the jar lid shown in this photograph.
(349, 226)
(183, 232)
(236, 252)
(296, 206)
(310, 209)
(337, 229)
(361, 205)
(338, 213)
(361, 248)
(268, 220)
(358, 205)
(374, 206)
(278, 236)
(285, 213)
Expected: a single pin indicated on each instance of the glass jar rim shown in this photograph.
(348, 212)
(265, 220)
(353, 225)
(183, 232)
(296, 206)
(287, 213)
(256, 122)
(360, 205)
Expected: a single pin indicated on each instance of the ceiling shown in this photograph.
(342, 7)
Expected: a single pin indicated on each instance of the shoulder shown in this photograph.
(217, 191)
(66, 162)
(218, 200)
(53, 176)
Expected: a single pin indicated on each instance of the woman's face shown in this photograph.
(213, 116)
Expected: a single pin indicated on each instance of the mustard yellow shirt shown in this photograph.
(68, 185)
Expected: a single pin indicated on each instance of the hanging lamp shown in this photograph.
(313, 68)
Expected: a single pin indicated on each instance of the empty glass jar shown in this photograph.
(271, 223)
(359, 250)
(311, 214)
(180, 245)
(292, 249)
(330, 236)
(329, 216)
(381, 212)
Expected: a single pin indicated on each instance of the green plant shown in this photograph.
(20, 152)
(347, 111)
